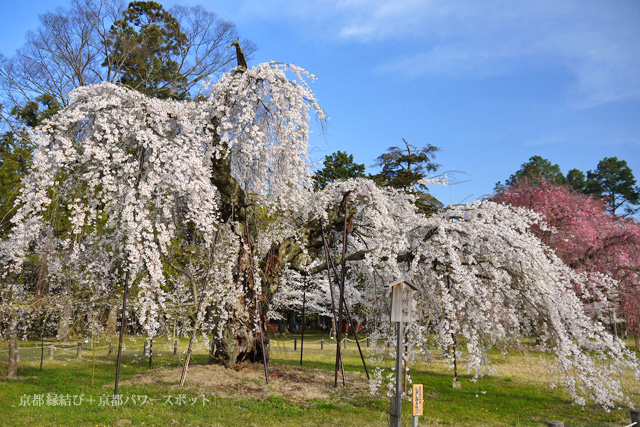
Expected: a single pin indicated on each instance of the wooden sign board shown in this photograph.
(401, 298)
(417, 400)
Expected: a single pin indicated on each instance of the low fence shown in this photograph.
(160, 348)
(364, 342)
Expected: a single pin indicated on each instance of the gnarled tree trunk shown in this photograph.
(112, 320)
(241, 340)
(12, 371)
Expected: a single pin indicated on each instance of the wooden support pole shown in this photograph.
(51, 348)
(394, 412)
(185, 368)
(396, 417)
(212, 349)
(93, 361)
(455, 359)
(304, 300)
(341, 300)
(150, 351)
(123, 323)
(353, 329)
(321, 343)
(44, 322)
(41, 353)
(333, 304)
(456, 383)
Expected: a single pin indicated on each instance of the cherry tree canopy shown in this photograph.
(587, 238)
(132, 175)
(127, 187)
(484, 276)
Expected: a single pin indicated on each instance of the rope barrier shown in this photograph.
(202, 345)
(38, 347)
(313, 342)
(306, 342)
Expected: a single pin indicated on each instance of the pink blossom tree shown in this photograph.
(587, 238)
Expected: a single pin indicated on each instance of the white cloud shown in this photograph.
(596, 42)
(379, 19)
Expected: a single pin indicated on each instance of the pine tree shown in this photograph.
(403, 168)
(613, 180)
(337, 166)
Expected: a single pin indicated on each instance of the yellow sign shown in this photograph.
(417, 400)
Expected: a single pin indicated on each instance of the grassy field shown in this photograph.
(63, 394)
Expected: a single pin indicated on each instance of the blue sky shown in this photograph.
(491, 83)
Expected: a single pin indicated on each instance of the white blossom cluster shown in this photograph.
(483, 278)
(125, 171)
(264, 124)
(121, 183)
(121, 187)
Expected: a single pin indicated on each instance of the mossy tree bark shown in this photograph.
(240, 340)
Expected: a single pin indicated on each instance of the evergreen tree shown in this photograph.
(16, 152)
(337, 166)
(33, 113)
(613, 180)
(577, 180)
(15, 161)
(144, 46)
(403, 168)
(536, 169)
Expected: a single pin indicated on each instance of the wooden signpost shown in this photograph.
(400, 313)
(416, 403)
(401, 301)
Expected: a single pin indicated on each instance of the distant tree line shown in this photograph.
(612, 181)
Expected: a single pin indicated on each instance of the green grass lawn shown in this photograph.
(519, 396)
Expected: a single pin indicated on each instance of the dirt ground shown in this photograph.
(245, 380)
